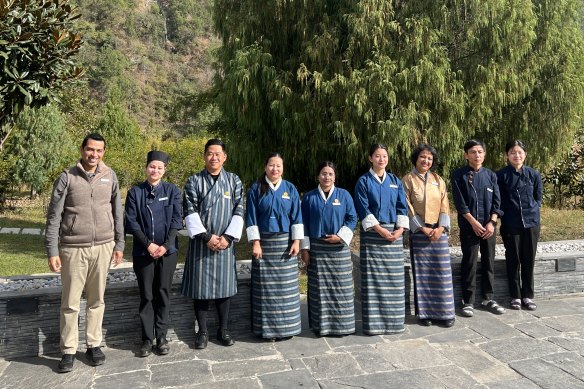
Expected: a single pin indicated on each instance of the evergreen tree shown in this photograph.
(325, 79)
(37, 47)
(40, 147)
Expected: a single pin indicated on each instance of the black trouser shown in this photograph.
(520, 249)
(202, 309)
(470, 244)
(155, 281)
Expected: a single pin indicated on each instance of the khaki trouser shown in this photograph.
(83, 268)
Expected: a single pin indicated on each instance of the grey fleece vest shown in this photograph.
(87, 215)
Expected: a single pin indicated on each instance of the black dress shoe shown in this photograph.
(66, 363)
(146, 348)
(425, 322)
(95, 356)
(225, 337)
(162, 346)
(201, 340)
(446, 323)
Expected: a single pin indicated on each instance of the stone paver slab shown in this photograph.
(245, 348)
(248, 368)
(453, 377)
(31, 372)
(31, 231)
(352, 340)
(515, 349)
(396, 379)
(181, 373)
(569, 343)
(569, 323)
(300, 346)
(537, 330)
(240, 383)
(332, 366)
(555, 307)
(572, 363)
(517, 317)
(490, 326)
(133, 379)
(369, 360)
(522, 383)
(546, 375)
(479, 364)
(121, 361)
(411, 354)
(289, 379)
(9, 230)
(455, 335)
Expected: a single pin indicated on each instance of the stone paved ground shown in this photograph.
(516, 350)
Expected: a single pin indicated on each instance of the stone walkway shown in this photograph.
(516, 350)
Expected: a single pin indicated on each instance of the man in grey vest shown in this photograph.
(84, 234)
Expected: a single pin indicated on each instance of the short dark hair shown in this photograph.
(376, 146)
(93, 136)
(474, 142)
(424, 147)
(324, 164)
(513, 143)
(215, 142)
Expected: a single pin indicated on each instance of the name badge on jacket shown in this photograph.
(336, 202)
(489, 189)
(163, 198)
(105, 180)
(393, 186)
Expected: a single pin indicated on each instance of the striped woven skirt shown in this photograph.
(275, 295)
(209, 274)
(331, 301)
(382, 284)
(432, 277)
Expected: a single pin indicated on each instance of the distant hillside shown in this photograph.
(152, 56)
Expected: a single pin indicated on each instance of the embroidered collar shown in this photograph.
(323, 195)
(272, 186)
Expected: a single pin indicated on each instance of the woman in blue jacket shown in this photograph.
(381, 205)
(274, 227)
(153, 217)
(521, 196)
(329, 219)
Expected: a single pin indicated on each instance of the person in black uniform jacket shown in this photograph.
(477, 199)
(153, 217)
(521, 196)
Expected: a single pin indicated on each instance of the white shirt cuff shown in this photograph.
(253, 233)
(235, 228)
(194, 225)
(403, 221)
(346, 235)
(297, 231)
(369, 222)
(305, 244)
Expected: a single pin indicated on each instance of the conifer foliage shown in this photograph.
(323, 79)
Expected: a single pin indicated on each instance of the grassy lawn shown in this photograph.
(25, 254)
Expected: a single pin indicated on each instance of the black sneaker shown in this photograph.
(201, 340)
(146, 348)
(66, 363)
(225, 338)
(95, 356)
(162, 346)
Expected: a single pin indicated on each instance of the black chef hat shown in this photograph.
(156, 155)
